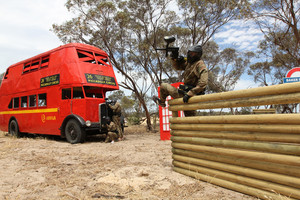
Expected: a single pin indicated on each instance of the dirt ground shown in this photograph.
(140, 167)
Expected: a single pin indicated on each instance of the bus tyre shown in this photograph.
(14, 129)
(74, 133)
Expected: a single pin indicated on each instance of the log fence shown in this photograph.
(254, 154)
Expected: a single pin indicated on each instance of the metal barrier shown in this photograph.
(257, 155)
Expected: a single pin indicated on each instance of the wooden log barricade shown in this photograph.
(254, 154)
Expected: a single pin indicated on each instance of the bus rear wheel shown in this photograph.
(14, 129)
(74, 133)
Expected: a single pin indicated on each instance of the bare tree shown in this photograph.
(279, 21)
(204, 18)
(129, 32)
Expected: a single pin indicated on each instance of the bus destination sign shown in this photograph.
(100, 79)
(50, 80)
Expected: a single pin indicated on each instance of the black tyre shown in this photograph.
(74, 133)
(14, 129)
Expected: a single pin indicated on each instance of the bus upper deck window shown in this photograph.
(78, 93)
(26, 67)
(102, 60)
(24, 102)
(32, 101)
(16, 102)
(66, 93)
(45, 62)
(35, 65)
(6, 74)
(86, 56)
(42, 100)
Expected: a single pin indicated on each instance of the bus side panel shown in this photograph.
(7, 85)
(39, 123)
(4, 118)
(50, 121)
(69, 67)
(78, 107)
(1, 115)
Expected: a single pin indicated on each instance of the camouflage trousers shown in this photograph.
(116, 119)
(167, 89)
(111, 136)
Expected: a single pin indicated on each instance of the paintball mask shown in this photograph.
(194, 53)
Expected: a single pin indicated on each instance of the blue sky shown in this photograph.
(25, 31)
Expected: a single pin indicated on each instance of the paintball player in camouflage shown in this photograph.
(116, 118)
(195, 78)
(111, 135)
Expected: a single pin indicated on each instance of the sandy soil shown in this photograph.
(139, 167)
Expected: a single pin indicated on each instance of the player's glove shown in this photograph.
(186, 98)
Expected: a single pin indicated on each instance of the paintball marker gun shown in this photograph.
(173, 50)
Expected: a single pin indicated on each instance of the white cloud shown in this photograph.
(245, 84)
(25, 28)
(243, 35)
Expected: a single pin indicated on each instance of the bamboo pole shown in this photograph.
(245, 102)
(267, 186)
(286, 149)
(239, 119)
(284, 169)
(264, 111)
(252, 155)
(263, 128)
(231, 185)
(252, 92)
(252, 136)
(243, 171)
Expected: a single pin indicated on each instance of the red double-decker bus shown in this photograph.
(59, 92)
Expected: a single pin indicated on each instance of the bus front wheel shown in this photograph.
(14, 128)
(74, 133)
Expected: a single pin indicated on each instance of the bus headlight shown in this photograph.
(88, 123)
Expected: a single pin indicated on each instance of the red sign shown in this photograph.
(295, 72)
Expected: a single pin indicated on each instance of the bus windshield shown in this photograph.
(93, 92)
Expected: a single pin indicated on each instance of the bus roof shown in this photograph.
(77, 45)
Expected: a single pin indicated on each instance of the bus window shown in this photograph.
(45, 62)
(35, 65)
(32, 101)
(24, 102)
(42, 99)
(6, 74)
(102, 60)
(85, 56)
(16, 102)
(26, 67)
(78, 93)
(10, 104)
(93, 92)
(66, 93)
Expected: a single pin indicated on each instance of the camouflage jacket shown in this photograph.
(195, 74)
(116, 108)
